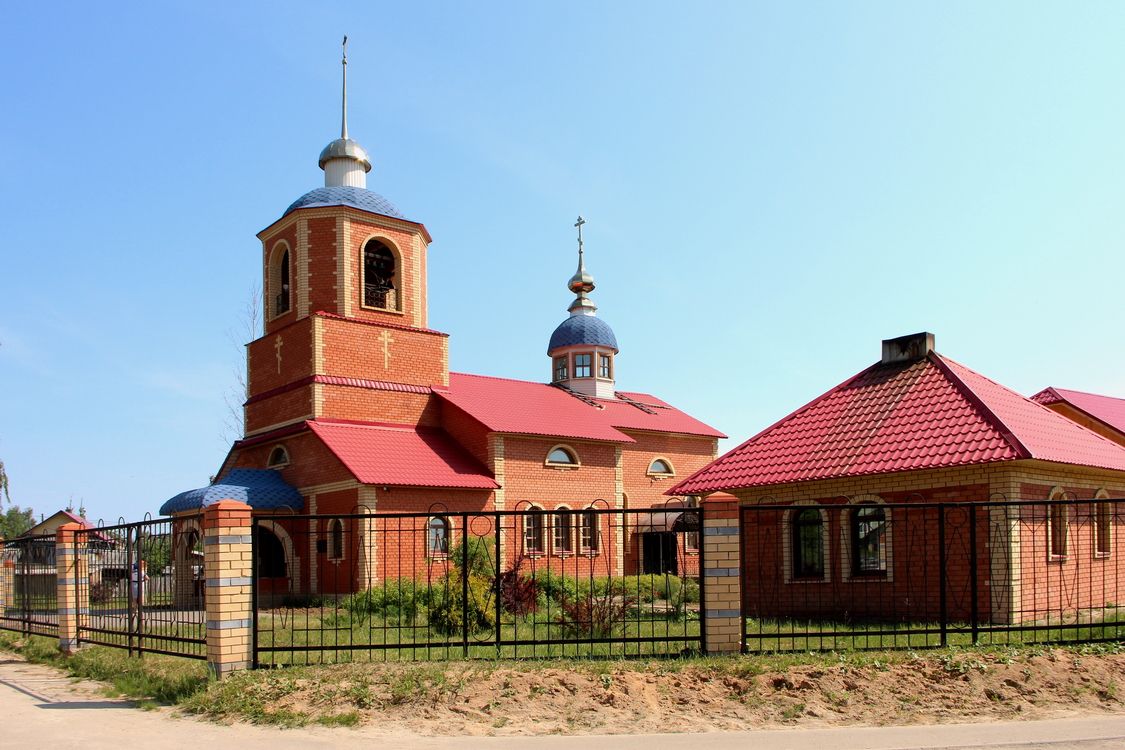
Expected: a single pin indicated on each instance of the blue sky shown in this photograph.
(770, 189)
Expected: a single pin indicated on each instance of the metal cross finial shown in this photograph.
(579, 224)
(344, 112)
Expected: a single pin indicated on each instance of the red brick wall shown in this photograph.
(467, 431)
(296, 357)
(282, 408)
(323, 265)
(355, 350)
(368, 405)
(411, 287)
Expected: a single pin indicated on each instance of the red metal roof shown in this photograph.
(527, 408)
(402, 456)
(1106, 409)
(925, 414)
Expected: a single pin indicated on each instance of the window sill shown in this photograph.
(1057, 558)
(279, 316)
(1101, 555)
(810, 579)
(562, 467)
(660, 476)
(382, 310)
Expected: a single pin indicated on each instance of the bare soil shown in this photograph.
(475, 699)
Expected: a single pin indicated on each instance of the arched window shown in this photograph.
(270, 554)
(1057, 526)
(335, 539)
(533, 536)
(279, 457)
(437, 536)
(560, 455)
(807, 528)
(588, 533)
(660, 467)
(279, 280)
(563, 531)
(379, 276)
(1103, 524)
(869, 540)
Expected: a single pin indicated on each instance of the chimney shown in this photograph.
(907, 348)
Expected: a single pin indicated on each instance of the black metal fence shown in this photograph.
(856, 575)
(143, 587)
(444, 584)
(31, 585)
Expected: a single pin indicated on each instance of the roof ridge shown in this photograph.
(1060, 391)
(978, 402)
(721, 460)
(497, 377)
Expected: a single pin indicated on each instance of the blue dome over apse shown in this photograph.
(583, 329)
(261, 489)
(345, 195)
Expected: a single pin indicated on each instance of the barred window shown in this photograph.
(378, 276)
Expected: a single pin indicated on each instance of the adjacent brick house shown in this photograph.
(917, 427)
(352, 403)
(1104, 415)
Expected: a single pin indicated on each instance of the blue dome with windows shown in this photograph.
(585, 330)
(345, 195)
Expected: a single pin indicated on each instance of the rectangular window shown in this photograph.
(1102, 521)
(691, 541)
(604, 368)
(560, 368)
(582, 365)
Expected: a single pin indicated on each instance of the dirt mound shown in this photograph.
(473, 699)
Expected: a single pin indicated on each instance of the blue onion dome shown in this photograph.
(585, 330)
(345, 195)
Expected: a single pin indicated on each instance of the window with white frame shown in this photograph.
(561, 455)
(806, 528)
(279, 457)
(588, 533)
(1103, 524)
(563, 523)
(534, 541)
(868, 531)
(1058, 526)
(437, 536)
(605, 366)
(561, 371)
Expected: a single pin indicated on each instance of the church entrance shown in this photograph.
(270, 570)
(658, 553)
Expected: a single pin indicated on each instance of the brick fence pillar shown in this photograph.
(722, 604)
(72, 592)
(227, 567)
(7, 582)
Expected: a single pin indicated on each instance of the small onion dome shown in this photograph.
(345, 148)
(581, 281)
(585, 330)
(345, 195)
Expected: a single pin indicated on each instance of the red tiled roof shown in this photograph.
(925, 414)
(1106, 409)
(527, 408)
(402, 456)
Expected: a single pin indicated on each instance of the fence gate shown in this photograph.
(449, 584)
(30, 586)
(143, 587)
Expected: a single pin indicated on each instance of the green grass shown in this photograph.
(773, 636)
(161, 679)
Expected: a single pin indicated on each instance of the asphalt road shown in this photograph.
(39, 708)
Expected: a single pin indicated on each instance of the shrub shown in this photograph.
(478, 552)
(593, 616)
(557, 587)
(519, 594)
(449, 612)
(400, 599)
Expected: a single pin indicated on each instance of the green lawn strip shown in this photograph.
(161, 679)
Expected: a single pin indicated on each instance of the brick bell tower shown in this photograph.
(344, 287)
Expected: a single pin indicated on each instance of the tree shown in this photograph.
(4, 482)
(247, 328)
(16, 521)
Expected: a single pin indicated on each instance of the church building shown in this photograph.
(352, 407)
